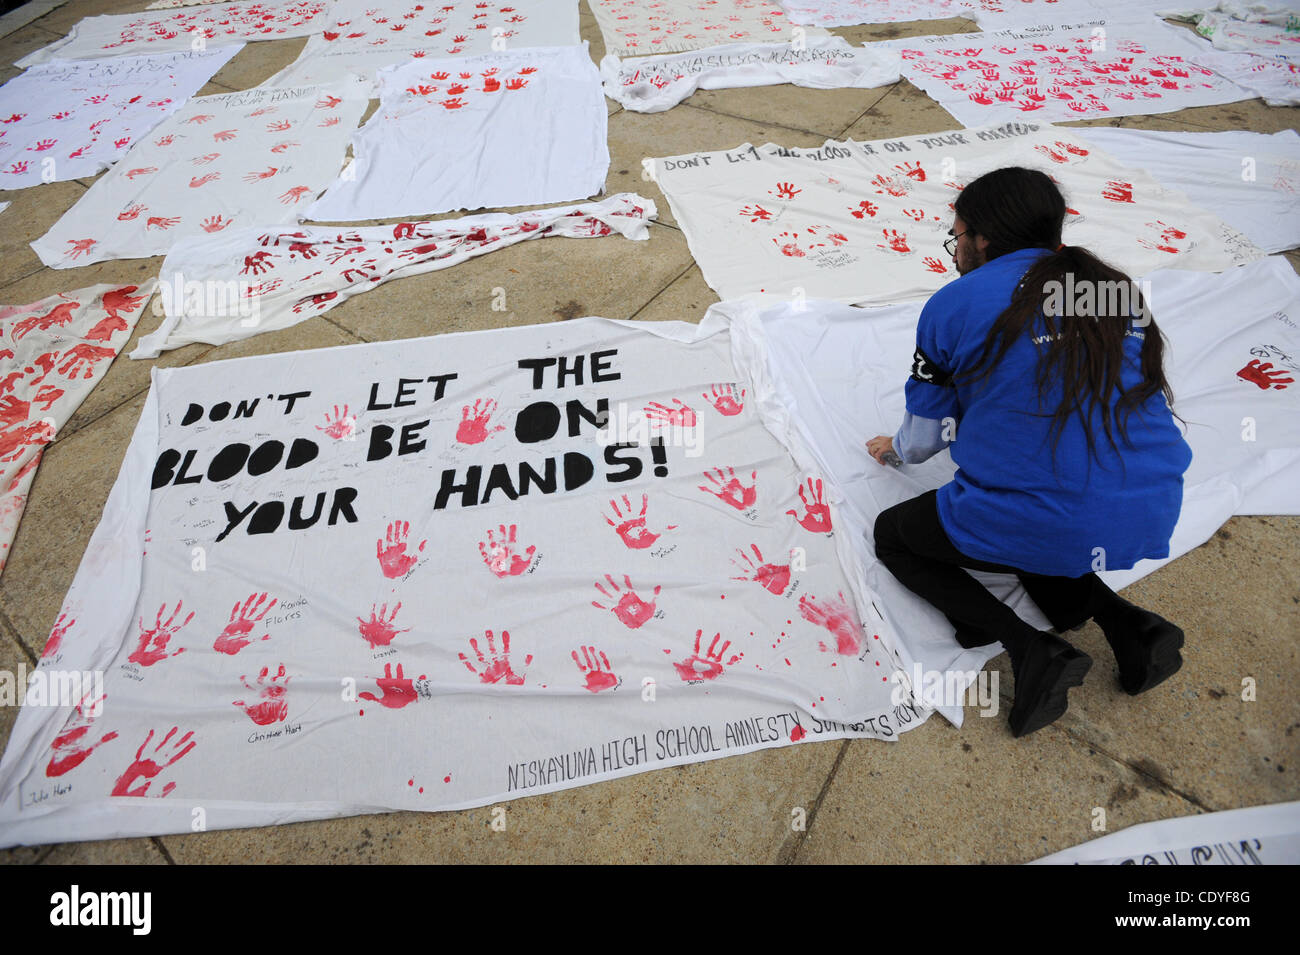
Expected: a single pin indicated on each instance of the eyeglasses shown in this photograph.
(950, 245)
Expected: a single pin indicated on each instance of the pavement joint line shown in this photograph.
(790, 856)
(749, 119)
(1163, 784)
(11, 631)
(162, 848)
(857, 119)
(633, 316)
(21, 277)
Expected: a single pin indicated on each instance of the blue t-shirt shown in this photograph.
(1012, 501)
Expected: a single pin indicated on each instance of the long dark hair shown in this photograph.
(1016, 208)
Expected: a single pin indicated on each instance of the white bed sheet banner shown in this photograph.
(1063, 71)
(1258, 835)
(989, 14)
(255, 158)
(536, 118)
(68, 119)
(385, 628)
(52, 353)
(168, 31)
(1249, 180)
(654, 84)
(1278, 35)
(649, 27)
(281, 279)
(864, 223)
(1274, 79)
(843, 370)
(367, 35)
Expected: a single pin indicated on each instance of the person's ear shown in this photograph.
(981, 244)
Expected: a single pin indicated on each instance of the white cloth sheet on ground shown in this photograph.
(1249, 180)
(251, 158)
(508, 129)
(840, 371)
(167, 31)
(654, 84)
(1264, 38)
(650, 27)
(274, 280)
(864, 223)
(367, 35)
(1063, 71)
(68, 119)
(989, 14)
(52, 354)
(422, 640)
(1257, 835)
(1275, 79)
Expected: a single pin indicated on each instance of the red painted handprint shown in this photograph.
(1265, 376)
(500, 553)
(595, 667)
(894, 240)
(837, 617)
(379, 630)
(1118, 191)
(235, 636)
(272, 707)
(729, 489)
(397, 689)
(473, 428)
(630, 609)
(755, 213)
(774, 577)
(495, 666)
(934, 265)
(214, 223)
(681, 417)
(72, 746)
(60, 315)
(55, 639)
(817, 516)
(394, 561)
(709, 666)
(633, 530)
(784, 190)
(725, 400)
(81, 359)
(343, 425)
(149, 768)
(864, 209)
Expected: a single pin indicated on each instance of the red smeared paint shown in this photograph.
(797, 733)
(70, 746)
(729, 489)
(398, 690)
(838, 618)
(774, 578)
(631, 610)
(148, 769)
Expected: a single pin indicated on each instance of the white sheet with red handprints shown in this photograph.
(284, 278)
(506, 129)
(490, 594)
(843, 13)
(165, 31)
(649, 27)
(67, 119)
(865, 222)
(173, 4)
(1274, 79)
(52, 353)
(367, 35)
(1055, 72)
(253, 158)
(1280, 36)
(653, 84)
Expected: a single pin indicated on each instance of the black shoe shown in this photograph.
(1044, 674)
(1146, 648)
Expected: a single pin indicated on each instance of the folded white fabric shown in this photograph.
(67, 119)
(654, 84)
(507, 129)
(225, 287)
(251, 158)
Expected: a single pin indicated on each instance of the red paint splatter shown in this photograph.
(797, 734)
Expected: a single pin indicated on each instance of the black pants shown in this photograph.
(911, 542)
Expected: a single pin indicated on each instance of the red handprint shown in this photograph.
(394, 561)
(153, 642)
(912, 170)
(630, 609)
(13, 410)
(61, 314)
(773, 577)
(455, 103)
(148, 769)
(328, 102)
(144, 171)
(281, 147)
(595, 667)
(755, 213)
(1118, 191)
(785, 190)
(633, 530)
(500, 553)
(681, 417)
(495, 666)
(491, 84)
(72, 746)
(379, 630)
(235, 635)
(294, 195)
(272, 707)
(516, 83)
(892, 185)
(41, 145)
(725, 399)
(398, 690)
(81, 358)
(837, 617)
(225, 135)
(259, 176)
(894, 240)
(257, 263)
(817, 516)
(279, 126)
(130, 212)
(214, 223)
(934, 265)
(709, 666)
(864, 209)
(473, 428)
(47, 396)
(343, 425)
(790, 246)
(161, 222)
(80, 247)
(15, 441)
(729, 489)
(1264, 375)
(55, 639)
(200, 119)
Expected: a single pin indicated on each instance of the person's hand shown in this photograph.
(879, 446)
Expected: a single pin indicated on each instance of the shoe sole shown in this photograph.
(1163, 641)
(1066, 669)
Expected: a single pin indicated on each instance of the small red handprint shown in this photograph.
(894, 240)
(279, 126)
(80, 247)
(398, 690)
(72, 746)
(149, 768)
(864, 209)
(500, 553)
(495, 667)
(225, 135)
(214, 223)
(259, 176)
(708, 666)
(197, 181)
(817, 515)
(773, 577)
(784, 190)
(912, 170)
(632, 530)
(595, 667)
(1118, 191)
(130, 212)
(234, 637)
(630, 609)
(379, 630)
(838, 618)
(394, 561)
(82, 358)
(57, 633)
(725, 400)
(473, 428)
(294, 195)
(755, 213)
(143, 171)
(790, 245)
(272, 707)
(681, 417)
(343, 424)
(729, 489)
(161, 222)
(934, 265)
(1264, 375)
